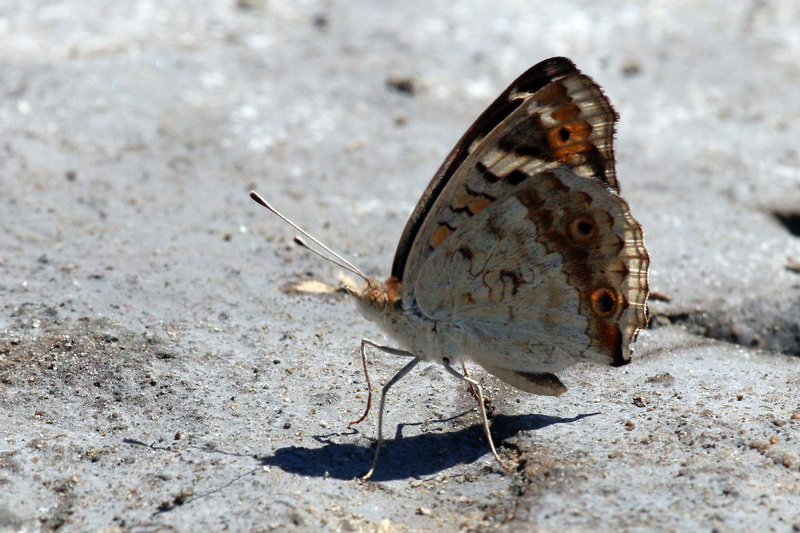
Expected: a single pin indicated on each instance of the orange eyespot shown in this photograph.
(577, 131)
(604, 302)
(583, 227)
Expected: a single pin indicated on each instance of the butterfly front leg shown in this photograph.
(397, 377)
(386, 349)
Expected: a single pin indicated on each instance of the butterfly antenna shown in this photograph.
(337, 259)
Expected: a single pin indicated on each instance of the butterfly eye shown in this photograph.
(603, 302)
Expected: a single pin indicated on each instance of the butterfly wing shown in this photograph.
(529, 83)
(521, 243)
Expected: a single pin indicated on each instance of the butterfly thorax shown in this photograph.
(381, 302)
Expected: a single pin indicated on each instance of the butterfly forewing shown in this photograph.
(531, 81)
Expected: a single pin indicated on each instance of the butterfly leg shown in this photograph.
(474, 383)
(470, 385)
(387, 349)
(486, 401)
(397, 377)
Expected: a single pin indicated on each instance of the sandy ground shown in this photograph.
(156, 375)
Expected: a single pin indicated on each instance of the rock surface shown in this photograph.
(156, 374)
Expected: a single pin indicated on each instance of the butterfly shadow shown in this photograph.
(405, 457)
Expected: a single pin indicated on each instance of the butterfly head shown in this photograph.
(374, 298)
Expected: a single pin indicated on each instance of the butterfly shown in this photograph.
(521, 255)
